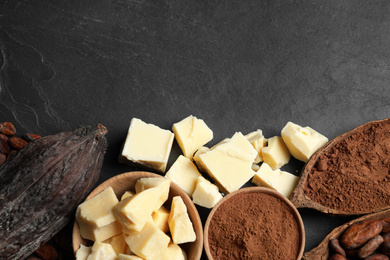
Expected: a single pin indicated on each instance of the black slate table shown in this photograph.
(239, 65)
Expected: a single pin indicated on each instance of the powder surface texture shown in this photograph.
(354, 175)
(254, 226)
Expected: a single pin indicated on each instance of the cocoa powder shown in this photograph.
(254, 226)
(353, 175)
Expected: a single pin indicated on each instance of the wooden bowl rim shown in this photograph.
(265, 190)
(197, 245)
(298, 197)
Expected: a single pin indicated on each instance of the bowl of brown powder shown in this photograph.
(254, 223)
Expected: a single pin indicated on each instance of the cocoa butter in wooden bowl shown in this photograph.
(254, 223)
(350, 175)
(324, 251)
(126, 182)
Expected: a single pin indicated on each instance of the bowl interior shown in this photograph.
(126, 182)
(256, 190)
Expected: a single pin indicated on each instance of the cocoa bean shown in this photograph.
(16, 142)
(360, 232)
(334, 245)
(385, 246)
(377, 257)
(7, 128)
(3, 158)
(386, 225)
(4, 146)
(351, 253)
(31, 137)
(370, 246)
(337, 257)
(47, 252)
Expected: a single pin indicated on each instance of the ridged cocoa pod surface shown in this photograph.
(42, 184)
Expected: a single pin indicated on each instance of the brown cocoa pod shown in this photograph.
(385, 246)
(47, 252)
(360, 232)
(386, 225)
(3, 158)
(7, 128)
(337, 257)
(41, 187)
(4, 146)
(16, 142)
(370, 247)
(377, 257)
(31, 137)
(335, 247)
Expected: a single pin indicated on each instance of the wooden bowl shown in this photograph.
(256, 191)
(301, 200)
(126, 182)
(321, 252)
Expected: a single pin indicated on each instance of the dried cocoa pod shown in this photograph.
(360, 232)
(334, 245)
(3, 158)
(385, 246)
(337, 257)
(31, 137)
(370, 247)
(7, 128)
(386, 225)
(47, 252)
(4, 146)
(16, 142)
(377, 257)
(43, 184)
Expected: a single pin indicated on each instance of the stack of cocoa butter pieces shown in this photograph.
(10, 143)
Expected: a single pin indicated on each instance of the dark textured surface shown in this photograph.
(239, 65)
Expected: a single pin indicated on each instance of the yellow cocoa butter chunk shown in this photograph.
(118, 243)
(180, 225)
(276, 153)
(83, 252)
(206, 194)
(102, 251)
(160, 219)
(149, 242)
(197, 160)
(174, 252)
(95, 217)
(133, 212)
(163, 184)
(128, 257)
(302, 142)
(281, 181)
(229, 164)
(127, 194)
(148, 145)
(258, 141)
(103, 233)
(191, 133)
(184, 173)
